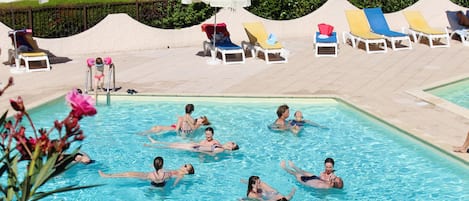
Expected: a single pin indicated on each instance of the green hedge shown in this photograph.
(284, 9)
(464, 3)
(388, 6)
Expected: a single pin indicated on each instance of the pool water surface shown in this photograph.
(457, 92)
(376, 161)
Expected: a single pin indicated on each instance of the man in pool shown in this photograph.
(327, 179)
(283, 112)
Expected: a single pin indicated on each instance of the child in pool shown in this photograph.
(298, 123)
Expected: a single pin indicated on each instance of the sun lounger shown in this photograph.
(259, 42)
(456, 28)
(326, 42)
(223, 43)
(26, 49)
(360, 31)
(379, 25)
(419, 28)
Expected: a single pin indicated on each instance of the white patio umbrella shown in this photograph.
(220, 4)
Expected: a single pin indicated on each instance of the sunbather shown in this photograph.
(462, 19)
(465, 146)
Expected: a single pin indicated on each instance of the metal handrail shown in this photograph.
(111, 75)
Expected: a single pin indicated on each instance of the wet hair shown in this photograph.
(282, 199)
(158, 163)
(252, 180)
(191, 170)
(99, 61)
(235, 147)
(189, 108)
(329, 160)
(338, 183)
(281, 109)
(210, 129)
(205, 121)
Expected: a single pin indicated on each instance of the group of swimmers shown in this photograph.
(256, 189)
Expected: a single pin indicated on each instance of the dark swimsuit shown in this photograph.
(307, 178)
(298, 123)
(161, 184)
(158, 184)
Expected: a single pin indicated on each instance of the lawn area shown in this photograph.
(35, 3)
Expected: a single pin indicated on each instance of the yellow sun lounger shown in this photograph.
(360, 31)
(418, 28)
(259, 42)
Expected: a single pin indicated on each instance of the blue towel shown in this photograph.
(227, 45)
(330, 39)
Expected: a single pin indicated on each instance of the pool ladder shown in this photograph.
(111, 77)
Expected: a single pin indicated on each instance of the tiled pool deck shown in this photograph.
(388, 86)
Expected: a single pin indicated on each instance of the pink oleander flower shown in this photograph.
(82, 105)
(17, 104)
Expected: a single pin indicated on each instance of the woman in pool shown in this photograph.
(194, 147)
(261, 191)
(159, 177)
(185, 124)
(326, 179)
(181, 126)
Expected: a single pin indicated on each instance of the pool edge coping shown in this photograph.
(422, 94)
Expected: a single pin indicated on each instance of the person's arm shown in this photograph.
(266, 188)
(295, 129)
(176, 181)
(312, 123)
(138, 175)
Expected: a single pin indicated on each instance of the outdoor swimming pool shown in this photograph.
(457, 92)
(376, 161)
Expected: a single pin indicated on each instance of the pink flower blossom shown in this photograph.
(82, 105)
(17, 104)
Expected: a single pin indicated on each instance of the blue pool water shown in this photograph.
(375, 161)
(457, 93)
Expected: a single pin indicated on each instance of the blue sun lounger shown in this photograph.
(379, 25)
(223, 43)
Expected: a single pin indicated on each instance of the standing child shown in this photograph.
(99, 74)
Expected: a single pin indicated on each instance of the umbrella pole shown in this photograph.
(212, 51)
(215, 27)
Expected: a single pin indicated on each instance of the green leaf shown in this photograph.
(41, 195)
(44, 173)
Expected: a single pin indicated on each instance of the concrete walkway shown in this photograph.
(385, 85)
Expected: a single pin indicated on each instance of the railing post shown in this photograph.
(85, 18)
(30, 18)
(137, 12)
